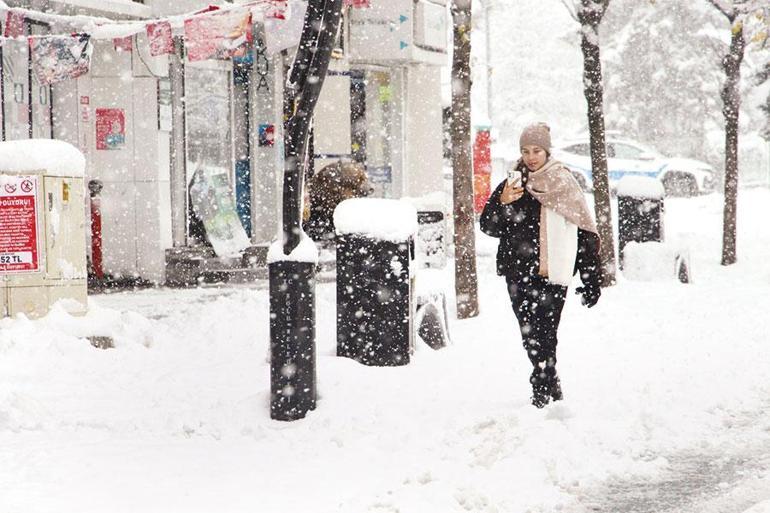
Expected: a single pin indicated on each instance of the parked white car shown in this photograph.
(679, 176)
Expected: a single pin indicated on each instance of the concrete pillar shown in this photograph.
(266, 103)
(178, 150)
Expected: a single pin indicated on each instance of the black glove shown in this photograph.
(590, 295)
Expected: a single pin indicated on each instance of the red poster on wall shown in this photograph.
(18, 224)
(110, 129)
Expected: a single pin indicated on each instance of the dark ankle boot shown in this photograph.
(556, 393)
(540, 396)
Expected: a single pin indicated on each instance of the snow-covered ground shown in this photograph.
(666, 402)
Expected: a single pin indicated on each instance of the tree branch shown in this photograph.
(591, 12)
(570, 9)
(721, 7)
(606, 5)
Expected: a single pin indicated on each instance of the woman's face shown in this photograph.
(534, 156)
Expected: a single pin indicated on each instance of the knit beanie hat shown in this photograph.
(537, 134)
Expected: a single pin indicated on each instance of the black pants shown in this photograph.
(537, 304)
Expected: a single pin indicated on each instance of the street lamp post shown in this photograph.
(292, 273)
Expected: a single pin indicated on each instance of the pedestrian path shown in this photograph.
(723, 479)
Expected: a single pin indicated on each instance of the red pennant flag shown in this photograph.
(276, 10)
(58, 58)
(357, 3)
(160, 37)
(124, 44)
(208, 8)
(217, 36)
(14, 23)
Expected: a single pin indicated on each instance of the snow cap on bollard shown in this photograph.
(306, 251)
(640, 187)
(380, 219)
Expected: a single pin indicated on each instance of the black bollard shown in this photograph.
(292, 340)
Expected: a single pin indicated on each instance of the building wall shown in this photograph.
(331, 119)
(136, 195)
(266, 108)
(423, 120)
(413, 53)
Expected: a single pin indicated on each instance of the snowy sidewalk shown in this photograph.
(175, 418)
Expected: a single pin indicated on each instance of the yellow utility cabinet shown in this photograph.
(42, 228)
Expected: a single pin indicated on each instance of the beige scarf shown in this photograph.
(557, 190)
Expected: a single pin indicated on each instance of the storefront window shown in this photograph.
(40, 99)
(372, 112)
(208, 123)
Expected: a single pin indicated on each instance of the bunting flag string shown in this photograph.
(14, 24)
(216, 32)
(160, 37)
(100, 28)
(123, 44)
(219, 36)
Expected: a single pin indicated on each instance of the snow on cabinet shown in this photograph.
(42, 228)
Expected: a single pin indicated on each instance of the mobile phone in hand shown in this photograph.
(514, 176)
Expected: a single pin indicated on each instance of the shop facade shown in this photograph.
(148, 124)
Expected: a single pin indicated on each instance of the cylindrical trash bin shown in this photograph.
(640, 211)
(375, 250)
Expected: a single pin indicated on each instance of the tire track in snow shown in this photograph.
(696, 481)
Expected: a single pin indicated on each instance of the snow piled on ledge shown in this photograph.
(55, 158)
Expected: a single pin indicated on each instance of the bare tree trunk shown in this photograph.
(466, 282)
(590, 15)
(731, 97)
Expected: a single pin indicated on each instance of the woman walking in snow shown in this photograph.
(546, 234)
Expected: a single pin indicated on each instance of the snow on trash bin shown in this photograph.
(376, 218)
(640, 187)
(640, 212)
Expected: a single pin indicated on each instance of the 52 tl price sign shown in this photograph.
(19, 241)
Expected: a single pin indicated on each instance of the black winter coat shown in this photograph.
(517, 225)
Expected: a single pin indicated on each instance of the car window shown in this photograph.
(579, 149)
(626, 151)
